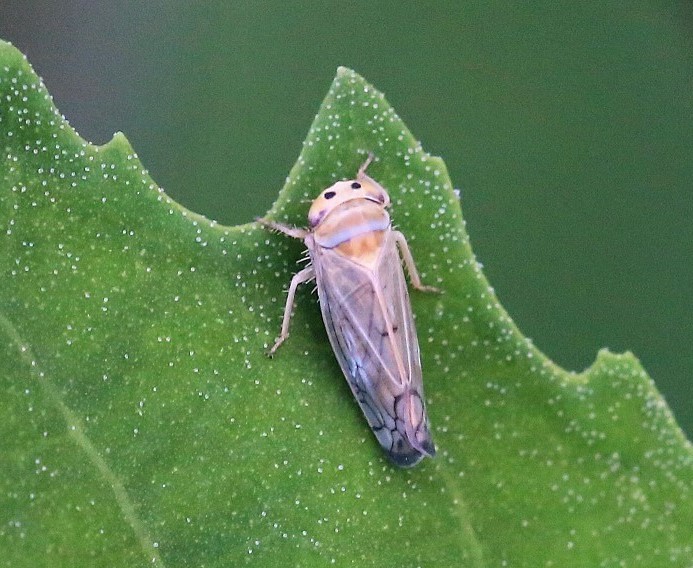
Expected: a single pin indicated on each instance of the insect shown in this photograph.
(355, 261)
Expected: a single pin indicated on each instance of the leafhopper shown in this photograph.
(356, 261)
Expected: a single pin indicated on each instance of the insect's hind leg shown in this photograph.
(299, 278)
(411, 266)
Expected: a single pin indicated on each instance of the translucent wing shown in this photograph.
(370, 326)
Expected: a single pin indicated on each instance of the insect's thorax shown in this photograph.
(355, 229)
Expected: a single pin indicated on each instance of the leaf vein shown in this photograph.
(76, 431)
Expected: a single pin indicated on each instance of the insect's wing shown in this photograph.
(370, 326)
(394, 290)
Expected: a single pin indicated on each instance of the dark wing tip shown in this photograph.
(405, 459)
(409, 456)
(429, 448)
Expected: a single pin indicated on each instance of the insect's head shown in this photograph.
(363, 187)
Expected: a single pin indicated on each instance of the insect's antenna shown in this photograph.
(364, 166)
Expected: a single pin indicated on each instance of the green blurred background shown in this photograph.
(567, 126)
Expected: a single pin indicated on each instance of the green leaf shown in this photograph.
(142, 422)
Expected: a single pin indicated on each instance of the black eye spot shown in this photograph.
(356, 185)
(329, 194)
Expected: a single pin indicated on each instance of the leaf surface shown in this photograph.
(142, 422)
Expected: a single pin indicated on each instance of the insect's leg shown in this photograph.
(299, 278)
(294, 232)
(411, 267)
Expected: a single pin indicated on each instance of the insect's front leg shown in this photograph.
(299, 278)
(294, 232)
(409, 262)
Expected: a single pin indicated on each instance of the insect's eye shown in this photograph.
(329, 194)
(356, 185)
